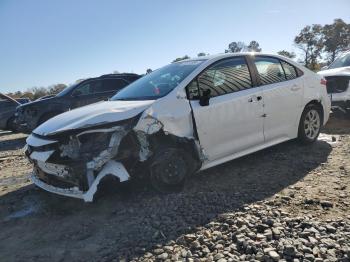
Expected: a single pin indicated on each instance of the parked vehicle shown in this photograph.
(180, 119)
(338, 81)
(7, 112)
(22, 100)
(88, 91)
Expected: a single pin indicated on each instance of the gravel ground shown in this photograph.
(285, 203)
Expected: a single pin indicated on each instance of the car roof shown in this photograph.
(106, 76)
(118, 75)
(224, 55)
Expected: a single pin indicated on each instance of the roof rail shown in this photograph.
(120, 74)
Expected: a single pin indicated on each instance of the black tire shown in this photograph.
(309, 126)
(46, 117)
(168, 170)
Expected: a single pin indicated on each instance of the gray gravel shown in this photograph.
(285, 203)
(260, 232)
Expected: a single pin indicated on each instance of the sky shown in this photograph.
(59, 41)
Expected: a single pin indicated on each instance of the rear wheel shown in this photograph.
(310, 124)
(168, 170)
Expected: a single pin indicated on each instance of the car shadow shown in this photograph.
(132, 220)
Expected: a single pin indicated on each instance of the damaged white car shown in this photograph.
(337, 75)
(180, 119)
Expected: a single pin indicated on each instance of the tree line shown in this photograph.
(37, 92)
(319, 45)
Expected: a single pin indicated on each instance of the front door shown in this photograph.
(233, 120)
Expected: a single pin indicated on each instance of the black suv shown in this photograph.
(88, 91)
(7, 112)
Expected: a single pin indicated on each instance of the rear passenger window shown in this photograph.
(228, 76)
(113, 85)
(289, 70)
(270, 70)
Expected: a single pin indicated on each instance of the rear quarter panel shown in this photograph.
(313, 90)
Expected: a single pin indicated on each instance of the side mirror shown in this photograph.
(204, 98)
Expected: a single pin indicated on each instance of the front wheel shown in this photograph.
(310, 124)
(168, 170)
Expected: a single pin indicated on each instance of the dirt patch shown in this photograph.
(288, 184)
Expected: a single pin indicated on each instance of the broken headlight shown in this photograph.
(86, 145)
(94, 142)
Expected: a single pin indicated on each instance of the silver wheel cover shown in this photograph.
(312, 124)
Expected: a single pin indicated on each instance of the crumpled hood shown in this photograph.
(341, 71)
(91, 115)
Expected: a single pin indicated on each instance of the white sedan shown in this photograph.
(182, 118)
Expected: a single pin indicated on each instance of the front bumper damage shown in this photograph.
(59, 168)
(111, 168)
(73, 162)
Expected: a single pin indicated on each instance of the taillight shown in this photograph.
(323, 82)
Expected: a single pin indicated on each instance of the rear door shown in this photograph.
(232, 122)
(283, 93)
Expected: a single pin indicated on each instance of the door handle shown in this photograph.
(295, 88)
(254, 99)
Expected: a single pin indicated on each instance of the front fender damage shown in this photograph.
(150, 129)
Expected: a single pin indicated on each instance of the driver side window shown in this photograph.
(225, 77)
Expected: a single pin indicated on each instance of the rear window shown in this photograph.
(270, 70)
(113, 85)
(289, 70)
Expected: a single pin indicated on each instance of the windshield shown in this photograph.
(158, 83)
(341, 61)
(66, 90)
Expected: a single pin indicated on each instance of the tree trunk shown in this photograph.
(333, 56)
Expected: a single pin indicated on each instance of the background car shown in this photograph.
(338, 81)
(88, 91)
(7, 111)
(23, 100)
